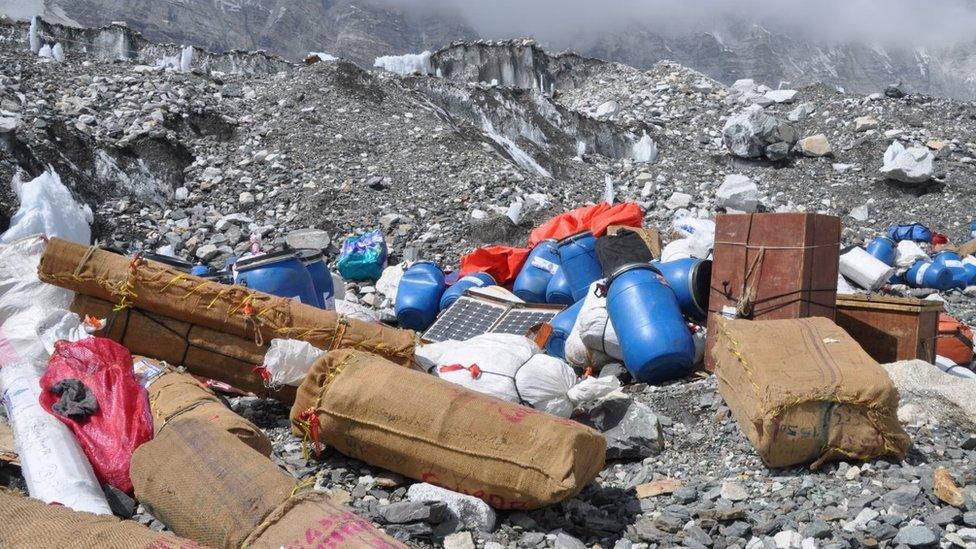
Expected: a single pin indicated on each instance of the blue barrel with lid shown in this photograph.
(473, 280)
(562, 324)
(578, 260)
(419, 295)
(953, 262)
(690, 280)
(884, 249)
(279, 273)
(925, 274)
(533, 280)
(558, 292)
(654, 339)
(314, 262)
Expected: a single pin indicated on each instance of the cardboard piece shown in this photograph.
(803, 391)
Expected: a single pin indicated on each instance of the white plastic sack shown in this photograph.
(288, 361)
(689, 226)
(46, 207)
(25, 302)
(843, 286)
(63, 325)
(684, 248)
(908, 253)
(864, 269)
(53, 465)
(512, 368)
(577, 352)
(596, 331)
(389, 282)
(354, 310)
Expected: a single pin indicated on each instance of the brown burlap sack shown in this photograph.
(203, 352)
(803, 391)
(30, 523)
(205, 485)
(234, 310)
(176, 395)
(428, 429)
(310, 520)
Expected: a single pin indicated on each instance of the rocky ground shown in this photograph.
(200, 161)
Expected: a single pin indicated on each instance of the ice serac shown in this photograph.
(413, 63)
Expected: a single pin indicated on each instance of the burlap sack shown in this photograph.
(310, 520)
(803, 391)
(234, 310)
(205, 485)
(31, 523)
(176, 395)
(428, 429)
(202, 351)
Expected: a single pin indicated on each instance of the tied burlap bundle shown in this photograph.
(202, 351)
(27, 522)
(204, 484)
(803, 391)
(428, 429)
(176, 395)
(236, 310)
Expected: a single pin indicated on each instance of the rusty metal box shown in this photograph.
(891, 328)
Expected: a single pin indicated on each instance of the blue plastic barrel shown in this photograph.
(419, 295)
(654, 338)
(169, 261)
(473, 280)
(558, 291)
(280, 273)
(884, 249)
(690, 280)
(532, 281)
(577, 257)
(970, 274)
(924, 274)
(953, 262)
(562, 324)
(200, 270)
(314, 261)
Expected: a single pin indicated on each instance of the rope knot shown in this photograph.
(308, 421)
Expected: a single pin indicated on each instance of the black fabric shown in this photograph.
(77, 401)
(623, 248)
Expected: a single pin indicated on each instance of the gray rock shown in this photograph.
(733, 491)
(751, 133)
(207, 252)
(308, 238)
(119, 502)
(685, 495)
(531, 539)
(904, 496)
(413, 511)
(800, 112)
(738, 192)
(781, 96)
(916, 536)
(566, 541)
(817, 529)
(912, 165)
(946, 515)
(632, 430)
(460, 540)
(471, 512)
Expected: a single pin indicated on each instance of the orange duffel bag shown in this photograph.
(955, 340)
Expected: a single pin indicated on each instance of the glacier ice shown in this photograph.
(645, 150)
(408, 64)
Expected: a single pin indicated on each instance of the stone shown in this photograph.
(566, 541)
(8, 124)
(685, 494)
(668, 522)
(631, 428)
(607, 110)
(916, 536)
(865, 123)
(781, 96)
(969, 518)
(787, 539)
(969, 443)
(852, 473)
(433, 512)
(860, 213)
(800, 112)
(894, 92)
(903, 496)
(308, 238)
(678, 200)
(946, 515)
(246, 199)
(733, 491)
(913, 165)
(181, 193)
(657, 488)
(778, 151)
(946, 489)
(815, 146)
(119, 502)
(752, 132)
(861, 520)
(207, 252)
(471, 513)
(739, 193)
(818, 529)
(460, 540)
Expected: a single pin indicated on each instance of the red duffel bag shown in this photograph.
(955, 340)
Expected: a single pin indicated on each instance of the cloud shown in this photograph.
(563, 23)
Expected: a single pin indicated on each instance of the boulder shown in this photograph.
(607, 110)
(912, 165)
(865, 123)
(800, 112)
(470, 512)
(781, 96)
(738, 192)
(815, 146)
(755, 134)
(631, 428)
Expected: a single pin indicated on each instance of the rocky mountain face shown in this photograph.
(362, 30)
(194, 151)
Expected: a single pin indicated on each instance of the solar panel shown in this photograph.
(472, 315)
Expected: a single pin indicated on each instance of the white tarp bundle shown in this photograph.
(288, 361)
(512, 368)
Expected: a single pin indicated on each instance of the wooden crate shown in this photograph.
(891, 328)
(773, 266)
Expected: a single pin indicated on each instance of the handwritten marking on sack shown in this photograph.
(334, 530)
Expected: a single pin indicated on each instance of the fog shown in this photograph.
(565, 23)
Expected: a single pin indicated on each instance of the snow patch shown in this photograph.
(645, 150)
(413, 63)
